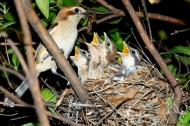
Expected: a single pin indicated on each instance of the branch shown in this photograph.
(32, 80)
(10, 95)
(141, 15)
(158, 58)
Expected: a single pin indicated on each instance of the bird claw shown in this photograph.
(53, 70)
(9, 102)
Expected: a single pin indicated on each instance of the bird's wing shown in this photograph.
(52, 27)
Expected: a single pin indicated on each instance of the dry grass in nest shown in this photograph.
(138, 100)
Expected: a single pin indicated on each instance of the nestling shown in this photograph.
(107, 50)
(130, 56)
(81, 60)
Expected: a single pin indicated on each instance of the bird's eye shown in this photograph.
(108, 44)
(76, 10)
(133, 52)
(83, 52)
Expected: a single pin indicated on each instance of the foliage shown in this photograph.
(184, 119)
(31, 124)
(118, 29)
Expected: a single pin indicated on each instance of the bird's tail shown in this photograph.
(21, 89)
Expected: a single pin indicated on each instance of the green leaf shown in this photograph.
(129, 36)
(31, 124)
(184, 59)
(52, 16)
(68, 2)
(115, 21)
(10, 17)
(51, 110)
(10, 51)
(168, 103)
(113, 30)
(7, 25)
(162, 34)
(181, 49)
(173, 69)
(15, 61)
(52, 1)
(184, 119)
(101, 8)
(166, 55)
(45, 24)
(80, 1)
(48, 95)
(43, 5)
(119, 44)
(84, 22)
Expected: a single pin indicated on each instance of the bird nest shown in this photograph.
(141, 99)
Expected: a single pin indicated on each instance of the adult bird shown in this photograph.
(64, 32)
(81, 60)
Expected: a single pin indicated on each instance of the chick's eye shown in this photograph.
(108, 44)
(133, 52)
(76, 10)
(83, 52)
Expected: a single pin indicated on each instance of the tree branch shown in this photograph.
(158, 58)
(32, 80)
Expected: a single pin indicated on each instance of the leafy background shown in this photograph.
(174, 49)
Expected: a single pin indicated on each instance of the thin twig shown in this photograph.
(13, 97)
(148, 21)
(7, 77)
(20, 76)
(7, 52)
(62, 119)
(18, 53)
(157, 57)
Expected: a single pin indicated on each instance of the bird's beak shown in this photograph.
(86, 14)
(76, 51)
(95, 39)
(106, 37)
(125, 48)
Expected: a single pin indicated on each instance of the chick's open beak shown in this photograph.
(76, 51)
(95, 39)
(125, 48)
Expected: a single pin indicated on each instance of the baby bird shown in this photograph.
(106, 49)
(95, 70)
(81, 60)
(130, 57)
(64, 32)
